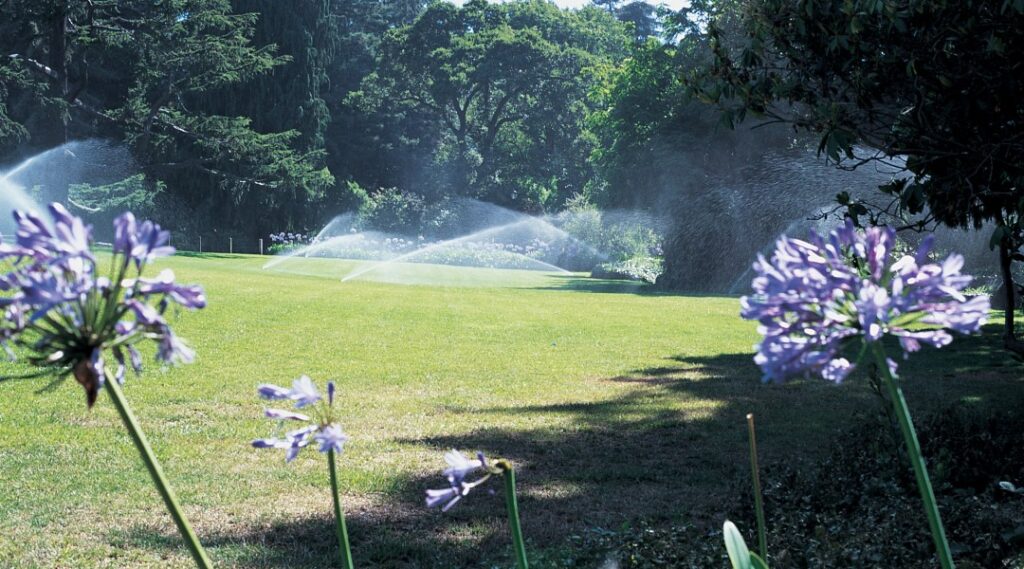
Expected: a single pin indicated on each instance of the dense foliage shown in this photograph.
(932, 86)
(255, 116)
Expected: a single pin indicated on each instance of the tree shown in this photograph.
(144, 72)
(643, 17)
(505, 85)
(934, 85)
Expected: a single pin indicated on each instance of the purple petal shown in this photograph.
(284, 415)
(270, 391)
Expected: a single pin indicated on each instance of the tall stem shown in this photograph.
(509, 475)
(195, 548)
(762, 540)
(339, 516)
(924, 484)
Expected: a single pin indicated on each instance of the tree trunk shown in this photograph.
(57, 60)
(1010, 340)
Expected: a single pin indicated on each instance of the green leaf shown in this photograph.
(756, 562)
(997, 236)
(739, 555)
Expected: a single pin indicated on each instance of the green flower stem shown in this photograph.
(931, 508)
(195, 548)
(762, 540)
(339, 516)
(509, 475)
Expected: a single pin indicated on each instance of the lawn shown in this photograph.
(614, 403)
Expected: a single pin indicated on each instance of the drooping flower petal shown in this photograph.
(270, 391)
(284, 415)
(304, 392)
(189, 296)
(446, 496)
(149, 243)
(460, 466)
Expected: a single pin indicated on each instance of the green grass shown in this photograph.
(614, 405)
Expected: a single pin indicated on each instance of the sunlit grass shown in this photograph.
(591, 392)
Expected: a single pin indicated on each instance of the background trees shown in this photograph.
(930, 86)
(146, 74)
(255, 116)
(496, 96)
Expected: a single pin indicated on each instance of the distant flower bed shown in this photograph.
(285, 242)
(645, 269)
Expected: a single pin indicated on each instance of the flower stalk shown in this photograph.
(924, 484)
(509, 475)
(339, 516)
(157, 473)
(762, 540)
(459, 467)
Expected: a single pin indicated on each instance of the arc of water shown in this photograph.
(742, 282)
(309, 250)
(9, 190)
(17, 169)
(441, 244)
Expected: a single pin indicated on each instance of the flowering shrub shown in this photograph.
(817, 299)
(460, 467)
(67, 318)
(321, 427)
(285, 242)
(645, 269)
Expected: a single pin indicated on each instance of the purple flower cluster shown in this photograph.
(460, 466)
(66, 317)
(321, 426)
(815, 297)
(288, 238)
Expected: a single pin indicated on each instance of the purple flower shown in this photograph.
(140, 243)
(124, 233)
(64, 315)
(330, 438)
(447, 496)
(189, 296)
(33, 236)
(322, 426)
(459, 467)
(304, 392)
(71, 235)
(282, 414)
(815, 297)
(172, 349)
(268, 391)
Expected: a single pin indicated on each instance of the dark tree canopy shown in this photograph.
(937, 85)
(148, 74)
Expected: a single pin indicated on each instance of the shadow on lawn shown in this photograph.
(611, 286)
(206, 255)
(310, 542)
(672, 446)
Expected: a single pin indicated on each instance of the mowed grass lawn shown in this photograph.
(615, 406)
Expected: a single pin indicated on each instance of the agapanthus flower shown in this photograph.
(459, 468)
(815, 298)
(65, 317)
(321, 424)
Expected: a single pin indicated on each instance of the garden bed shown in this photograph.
(858, 506)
